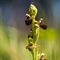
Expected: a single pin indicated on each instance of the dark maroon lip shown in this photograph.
(28, 21)
(43, 26)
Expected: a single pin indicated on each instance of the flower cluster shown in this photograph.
(34, 32)
(28, 21)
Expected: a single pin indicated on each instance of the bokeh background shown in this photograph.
(14, 32)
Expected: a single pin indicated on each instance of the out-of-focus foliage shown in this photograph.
(12, 48)
(50, 43)
(13, 40)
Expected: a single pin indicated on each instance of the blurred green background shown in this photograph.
(14, 32)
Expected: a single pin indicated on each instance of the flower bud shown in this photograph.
(31, 43)
(42, 56)
(30, 36)
(30, 48)
(42, 59)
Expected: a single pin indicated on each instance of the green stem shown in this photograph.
(35, 50)
(35, 54)
(33, 30)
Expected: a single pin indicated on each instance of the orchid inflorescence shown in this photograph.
(33, 36)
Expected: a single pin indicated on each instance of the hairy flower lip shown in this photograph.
(43, 26)
(28, 21)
